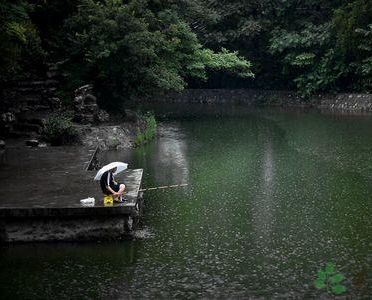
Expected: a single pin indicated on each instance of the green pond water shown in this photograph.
(271, 198)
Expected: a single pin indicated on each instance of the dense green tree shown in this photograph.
(49, 17)
(353, 31)
(309, 45)
(308, 58)
(235, 25)
(138, 48)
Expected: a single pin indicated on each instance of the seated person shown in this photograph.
(110, 187)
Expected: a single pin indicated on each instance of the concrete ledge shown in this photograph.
(63, 229)
(46, 207)
(69, 224)
(16, 212)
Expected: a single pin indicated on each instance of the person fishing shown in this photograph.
(110, 187)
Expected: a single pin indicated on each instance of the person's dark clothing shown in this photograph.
(106, 180)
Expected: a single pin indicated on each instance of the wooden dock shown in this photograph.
(40, 197)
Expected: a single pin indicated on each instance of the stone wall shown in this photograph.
(223, 96)
(350, 102)
(347, 102)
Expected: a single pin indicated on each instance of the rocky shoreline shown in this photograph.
(108, 137)
(26, 117)
(24, 121)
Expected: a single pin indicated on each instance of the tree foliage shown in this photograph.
(311, 45)
(353, 31)
(136, 47)
(20, 50)
(308, 57)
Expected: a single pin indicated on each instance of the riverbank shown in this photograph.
(80, 122)
(105, 136)
(120, 132)
(96, 127)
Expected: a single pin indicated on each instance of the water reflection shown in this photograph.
(264, 206)
(171, 165)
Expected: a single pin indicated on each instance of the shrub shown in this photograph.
(59, 130)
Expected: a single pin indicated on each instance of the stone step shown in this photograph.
(36, 118)
(84, 118)
(34, 102)
(41, 108)
(30, 90)
(27, 127)
(51, 82)
(17, 133)
(33, 83)
(51, 90)
(35, 122)
(27, 104)
(36, 98)
(36, 85)
(53, 74)
(35, 108)
(88, 110)
(31, 100)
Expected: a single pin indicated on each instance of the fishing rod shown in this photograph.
(163, 187)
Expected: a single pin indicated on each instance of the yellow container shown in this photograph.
(108, 200)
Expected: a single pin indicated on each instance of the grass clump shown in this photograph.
(59, 130)
(146, 129)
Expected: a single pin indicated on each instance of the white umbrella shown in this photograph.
(120, 167)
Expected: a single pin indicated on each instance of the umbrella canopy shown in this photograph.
(117, 164)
